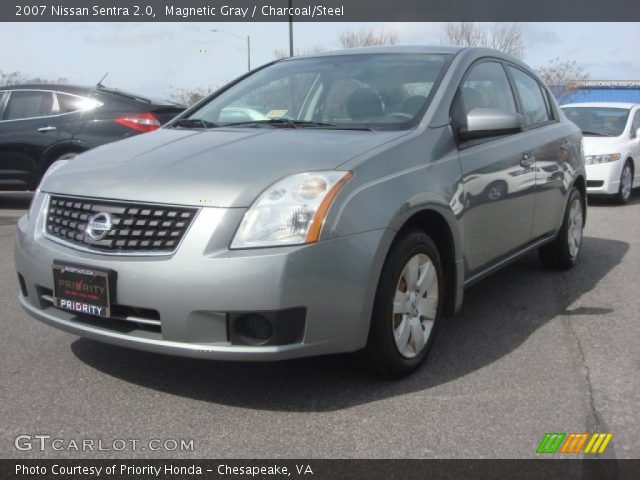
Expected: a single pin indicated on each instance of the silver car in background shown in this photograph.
(333, 203)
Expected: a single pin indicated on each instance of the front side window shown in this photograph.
(378, 91)
(28, 104)
(486, 86)
(534, 106)
(598, 121)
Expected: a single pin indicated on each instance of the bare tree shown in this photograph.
(189, 96)
(280, 53)
(506, 37)
(18, 78)
(565, 73)
(468, 34)
(368, 37)
(563, 76)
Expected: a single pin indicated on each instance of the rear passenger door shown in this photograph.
(544, 138)
(499, 181)
(29, 125)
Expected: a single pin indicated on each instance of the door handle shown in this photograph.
(46, 129)
(527, 160)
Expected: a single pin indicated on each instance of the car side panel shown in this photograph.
(22, 147)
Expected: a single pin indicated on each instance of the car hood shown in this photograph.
(601, 145)
(217, 167)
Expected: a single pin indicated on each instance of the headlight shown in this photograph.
(291, 211)
(595, 159)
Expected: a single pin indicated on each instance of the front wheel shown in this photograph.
(407, 307)
(626, 184)
(562, 253)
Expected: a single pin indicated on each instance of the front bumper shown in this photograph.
(604, 178)
(195, 290)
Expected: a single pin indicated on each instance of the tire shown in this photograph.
(626, 184)
(563, 252)
(411, 253)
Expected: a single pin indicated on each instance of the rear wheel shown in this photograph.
(562, 253)
(407, 307)
(626, 184)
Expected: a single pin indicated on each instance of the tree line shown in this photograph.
(507, 37)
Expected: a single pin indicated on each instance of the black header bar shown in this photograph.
(319, 10)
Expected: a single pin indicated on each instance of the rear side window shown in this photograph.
(73, 103)
(28, 104)
(534, 106)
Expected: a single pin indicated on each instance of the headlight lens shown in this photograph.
(291, 211)
(606, 158)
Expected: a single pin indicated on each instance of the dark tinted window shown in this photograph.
(487, 86)
(27, 104)
(534, 106)
(73, 103)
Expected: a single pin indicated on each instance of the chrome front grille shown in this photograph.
(134, 227)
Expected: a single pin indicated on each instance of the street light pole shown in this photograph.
(246, 39)
(290, 28)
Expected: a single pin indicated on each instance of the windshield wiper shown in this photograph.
(597, 134)
(282, 122)
(194, 123)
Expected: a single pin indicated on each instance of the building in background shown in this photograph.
(627, 91)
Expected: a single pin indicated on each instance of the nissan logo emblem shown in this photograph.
(98, 226)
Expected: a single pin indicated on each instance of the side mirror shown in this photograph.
(490, 122)
(637, 133)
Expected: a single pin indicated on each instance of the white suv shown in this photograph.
(611, 145)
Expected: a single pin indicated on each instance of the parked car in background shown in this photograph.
(317, 205)
(611, 146)
(40, 124)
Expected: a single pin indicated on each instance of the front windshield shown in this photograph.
(598, 121)
(375, 91)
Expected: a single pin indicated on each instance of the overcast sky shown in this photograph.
(152, 57)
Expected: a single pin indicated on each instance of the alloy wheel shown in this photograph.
(626, 182)
(415, 305)
(575, 227)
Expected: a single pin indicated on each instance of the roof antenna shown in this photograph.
(100, 81)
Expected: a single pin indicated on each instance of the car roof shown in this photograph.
(59, 87)
(435, 49)
(602, 105)
(470, 52)
(84, 89)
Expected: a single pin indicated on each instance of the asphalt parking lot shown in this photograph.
(531, 352)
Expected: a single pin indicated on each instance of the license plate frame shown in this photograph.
(83, 289)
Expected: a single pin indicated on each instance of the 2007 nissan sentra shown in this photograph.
(334, 203)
